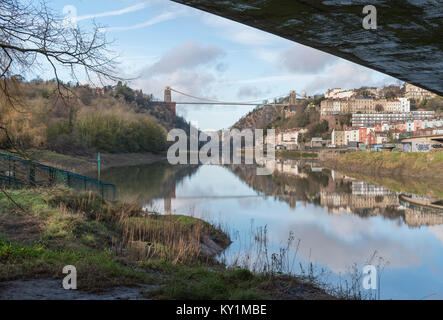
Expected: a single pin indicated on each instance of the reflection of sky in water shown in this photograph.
(415, 255)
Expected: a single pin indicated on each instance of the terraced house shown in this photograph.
(363, 105)
(417, 93)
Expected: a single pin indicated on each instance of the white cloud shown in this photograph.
(158, 19)
(267, 79)
(437, 231)
(340, 241)
(345, 74)
(197, 83)
(189, 67)
(250, 92)
(240, 33)
(303, 59)
(188, 55)
(136, 7)
(271, 56)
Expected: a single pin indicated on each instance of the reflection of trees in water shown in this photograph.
(311, 186)
(343, 186)
(143, 183)
(283, 186)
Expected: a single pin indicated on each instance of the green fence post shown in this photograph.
(52, 178)
(31, 174)
(9, 170)
(98, 165)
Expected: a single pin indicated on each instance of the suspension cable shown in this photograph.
(224, 102)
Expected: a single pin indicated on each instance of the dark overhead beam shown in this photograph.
(407, 44)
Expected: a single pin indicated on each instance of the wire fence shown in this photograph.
(18, 173)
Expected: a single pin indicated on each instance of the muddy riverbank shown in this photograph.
(85, 164)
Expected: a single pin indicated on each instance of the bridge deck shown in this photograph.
(407, 43)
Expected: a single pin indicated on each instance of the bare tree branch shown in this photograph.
(32, 34)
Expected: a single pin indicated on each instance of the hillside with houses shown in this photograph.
(365, 118)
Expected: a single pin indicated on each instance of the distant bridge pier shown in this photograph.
(292, 98)
(168, 95)
(168, 100)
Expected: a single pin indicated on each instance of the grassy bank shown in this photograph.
(291, 154)
(419, 173)
(118, 244)
(417, 164)
(402, 183)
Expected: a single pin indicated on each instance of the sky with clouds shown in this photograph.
(163, 43)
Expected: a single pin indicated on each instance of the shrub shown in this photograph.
(108, 132)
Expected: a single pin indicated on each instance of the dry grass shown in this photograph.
(35, 122)
(105, 240)
(417, 164)
(146, 235)
(114, 244)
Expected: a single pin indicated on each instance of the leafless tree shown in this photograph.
(32, 35)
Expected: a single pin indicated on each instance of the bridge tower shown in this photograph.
(292, 98)
(168, 96)
(168, 100)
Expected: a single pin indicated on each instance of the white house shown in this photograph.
(287, 138)
(351, 135)
(409, 126)
(385, 127)
(405, 104)
(338, 93)
(336, 107)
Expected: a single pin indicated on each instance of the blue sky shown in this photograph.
(162, 43)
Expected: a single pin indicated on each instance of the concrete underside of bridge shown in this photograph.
(407, 44)
(426, 139)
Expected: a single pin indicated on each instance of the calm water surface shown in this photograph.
(336, 221)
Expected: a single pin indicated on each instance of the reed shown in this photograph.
(145, 235)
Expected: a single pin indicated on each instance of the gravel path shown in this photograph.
(49, 289)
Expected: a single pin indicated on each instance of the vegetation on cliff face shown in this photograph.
(111, 131)
(435, 104)
(259, 118)
(115, 119)
(304, 116)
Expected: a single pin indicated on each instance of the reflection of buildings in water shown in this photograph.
(416, 217)
(167, 199)
(423, 201)
(363, 188)
(289, 167)
(337, 176)
(369, 199)
(422, 210)
(363, 196)
(340, 194)
(167, 205)
(290, 197)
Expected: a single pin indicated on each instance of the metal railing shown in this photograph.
(17, 173)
